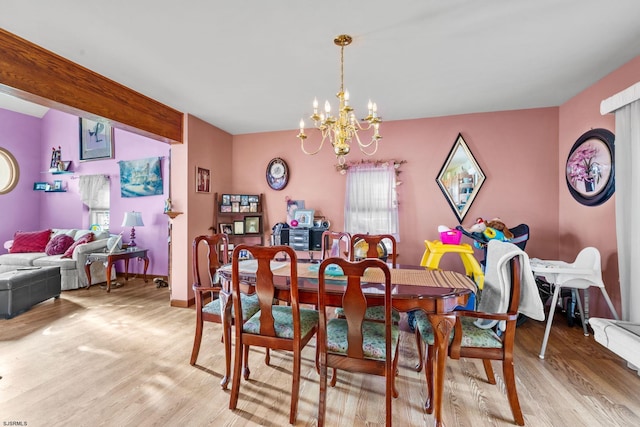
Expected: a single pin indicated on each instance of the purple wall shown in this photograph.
(19, 209)
(66, 210)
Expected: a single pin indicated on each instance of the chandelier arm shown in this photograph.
(364, 146)
(311, 153)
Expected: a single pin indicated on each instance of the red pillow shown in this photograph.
(84, 239)
(30, 241)
(58, 244)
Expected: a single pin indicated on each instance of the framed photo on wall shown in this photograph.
(203, 180)
(238, 227)
(252, 224)
(96, 140)
(226, 228)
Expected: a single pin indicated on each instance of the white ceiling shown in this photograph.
(254, 65)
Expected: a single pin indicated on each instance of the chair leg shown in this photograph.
(246, 371)
(552, 310)
(237, 367)
(428, 372)
(197, 339)
(419, 345)
(322, 400)
(488, 369)
(609, 303)
(334, 377)
(295, 387)
(226, 341)
(576, 295)
(512, 393)
(267, 356)
(395, 373)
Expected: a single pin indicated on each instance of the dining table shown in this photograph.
(436, 292)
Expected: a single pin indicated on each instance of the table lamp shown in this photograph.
(132, 219)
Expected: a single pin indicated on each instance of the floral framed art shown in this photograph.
(590, 171)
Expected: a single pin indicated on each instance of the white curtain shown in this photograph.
(627, 158)
(371, 204)
(95, 193)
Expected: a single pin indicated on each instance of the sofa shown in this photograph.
(71, 262)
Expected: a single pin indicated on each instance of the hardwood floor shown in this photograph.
(122, 359)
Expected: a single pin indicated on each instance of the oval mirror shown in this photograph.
(9, 171)
(460, 178)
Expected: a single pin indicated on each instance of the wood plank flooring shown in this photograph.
(122, 359)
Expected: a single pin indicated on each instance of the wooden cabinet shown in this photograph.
(240, 216)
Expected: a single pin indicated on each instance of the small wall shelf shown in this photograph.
(55, 191)
(173, 214)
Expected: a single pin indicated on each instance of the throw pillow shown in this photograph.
(84, 239)
(30, 241)
(58, 244)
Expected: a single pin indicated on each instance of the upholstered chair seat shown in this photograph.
(283, 321)
(373, 334)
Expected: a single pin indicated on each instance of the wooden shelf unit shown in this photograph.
(231, 218)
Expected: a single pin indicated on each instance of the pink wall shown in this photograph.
(208, 147)
(583, 225)
(516, 150)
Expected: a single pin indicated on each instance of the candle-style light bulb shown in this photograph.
(346, 97)
(375, 110)
(370, 107)
(327, 107)
(315, 105)
(301, 125)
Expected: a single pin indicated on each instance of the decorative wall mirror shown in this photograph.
(9, 171)
(460, 178)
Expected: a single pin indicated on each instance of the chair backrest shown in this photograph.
(374, 241)
(588, 258)
(520, 235)
(264, 286)
(354, 302)
(339, 238)
(216, 255)
(501, 291)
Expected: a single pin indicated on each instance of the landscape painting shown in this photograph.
(140, 177)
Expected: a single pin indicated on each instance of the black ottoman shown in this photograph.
(25, 287)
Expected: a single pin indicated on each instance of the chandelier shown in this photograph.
(343, 129)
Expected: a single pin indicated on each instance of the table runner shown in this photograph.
(399, 276)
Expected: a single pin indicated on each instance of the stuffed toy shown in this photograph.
(497, 224)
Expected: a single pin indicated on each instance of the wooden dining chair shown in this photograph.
(208, 291)
(373, 241)
(282, 327)
(339, 238)
(355, 344)
(373, 249)
(479, 335)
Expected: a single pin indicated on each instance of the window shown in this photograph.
(95, 192)
(371, 204)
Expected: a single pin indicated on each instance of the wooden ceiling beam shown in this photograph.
(33, 73)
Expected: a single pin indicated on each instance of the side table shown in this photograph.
(111, 258)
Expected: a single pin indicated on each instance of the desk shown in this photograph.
(436, 292)
(111, 258)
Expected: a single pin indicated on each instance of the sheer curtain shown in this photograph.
(371, 204)
(627, 158)
(94, 191)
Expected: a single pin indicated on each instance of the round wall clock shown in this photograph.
(277, 174)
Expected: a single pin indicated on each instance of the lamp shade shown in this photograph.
(132, 219)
